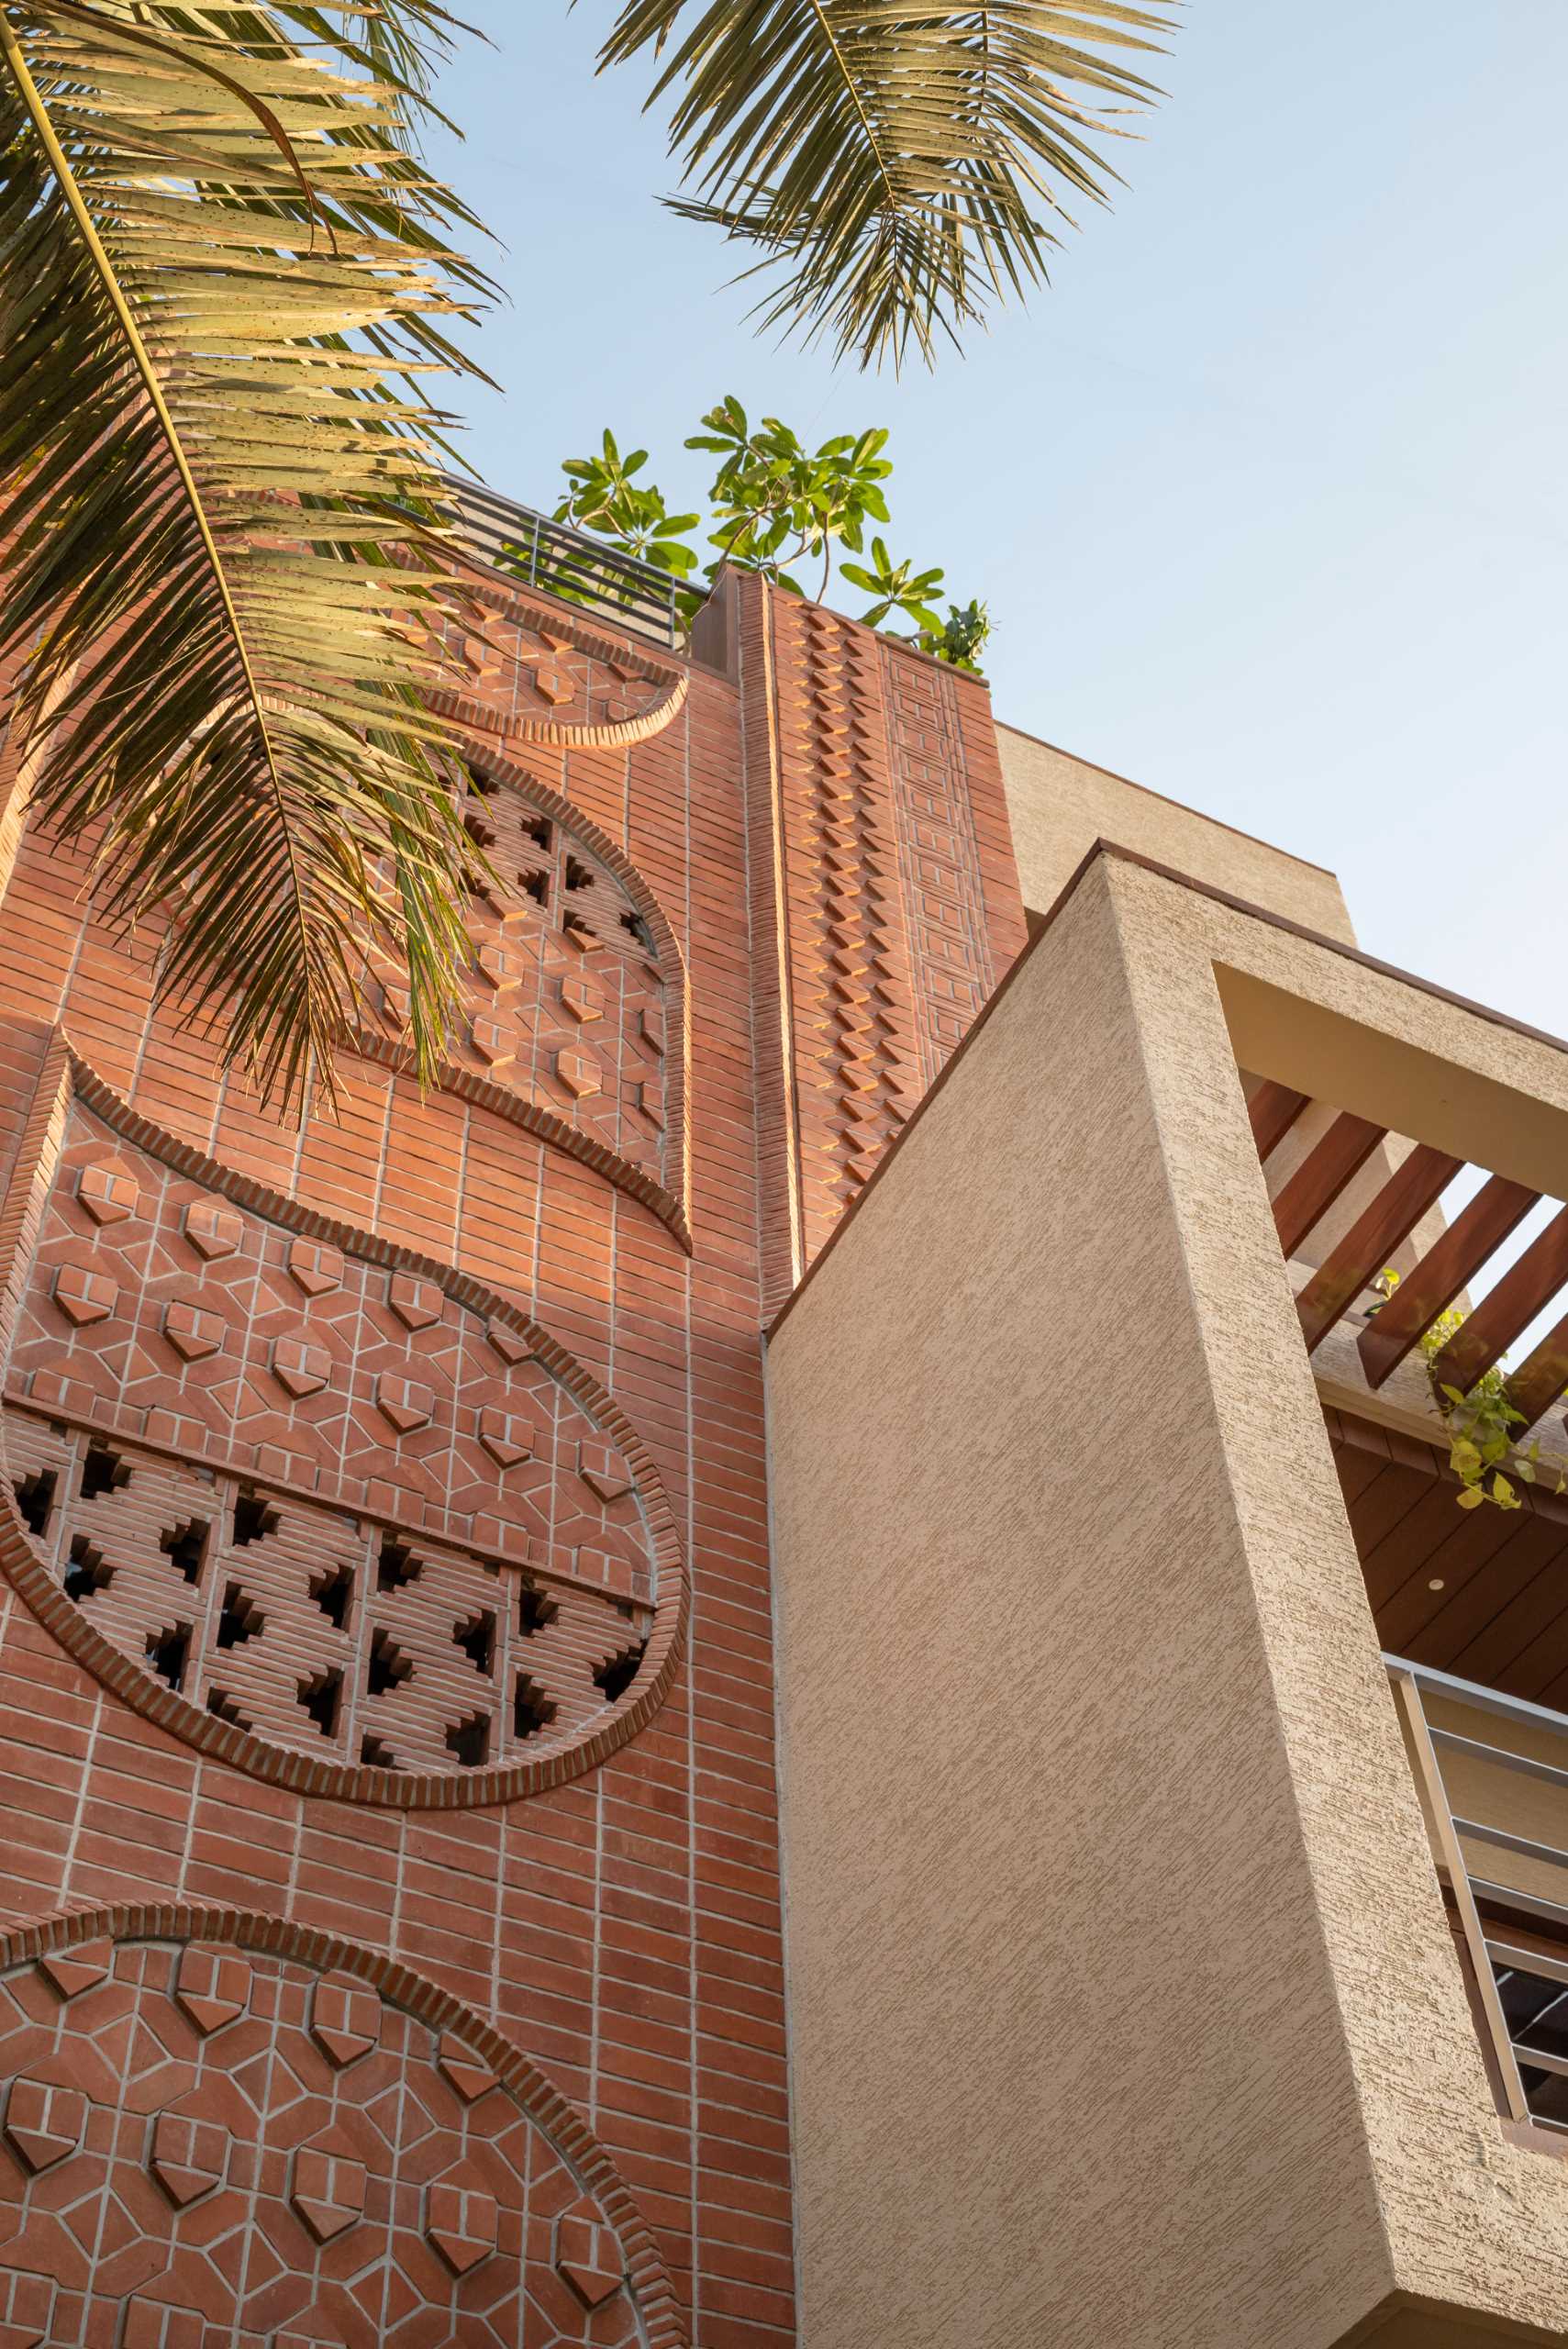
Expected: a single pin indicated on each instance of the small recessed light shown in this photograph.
(1436, 1583)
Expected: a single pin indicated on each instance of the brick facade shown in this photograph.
(386, 1629)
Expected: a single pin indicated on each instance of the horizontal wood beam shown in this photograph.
(1449, 1264)
(1360, 1255)
(1322, 1175)
(1273, 1110)
(1525, 1288)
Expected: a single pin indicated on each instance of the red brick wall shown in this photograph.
(817, 854)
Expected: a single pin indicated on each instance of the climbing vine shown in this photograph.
(1483, 1453)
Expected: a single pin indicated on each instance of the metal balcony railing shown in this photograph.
(600, 579)
(1493, 1775)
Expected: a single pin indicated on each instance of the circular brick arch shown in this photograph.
(67, 1080)
(666, 1193)
(221, 2130)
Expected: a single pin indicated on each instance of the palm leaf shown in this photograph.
(893, 162)
(224, 283)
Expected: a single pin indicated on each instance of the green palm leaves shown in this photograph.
(892, 160)
(223, 285)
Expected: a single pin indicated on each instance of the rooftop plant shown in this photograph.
(775, 506)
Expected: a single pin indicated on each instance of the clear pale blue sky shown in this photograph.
(1266, 492)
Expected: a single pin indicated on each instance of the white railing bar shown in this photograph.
(1479, 1750)
(1486, 1700)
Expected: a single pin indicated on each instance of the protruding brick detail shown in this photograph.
(425, 2191)
(108, 1190)
(300, 1369)
(44, 2120)
(586, 2253)
(345, 2018)
(404, 1403)
(315, 1267)
(212, 1986)
(327, 2189)
(84, 1298)
(82, 1967)
(469, 2076)
(214, 1231)
(461, 2218)
(190, 2156)
(418, 1305)
(192, 1334)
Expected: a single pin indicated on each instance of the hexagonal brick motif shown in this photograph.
(582, 998)
(44, 2121)
(650, 1028)
(83, 1296)
(271, 2207)
(579, 1074)
(26, 2308)
(402, 1403)
(345, 2018)
(327, 2189)
(300, 1369)
(305, 1517)
(510, 1343)
(72, 1971)
(461, 2219)
(108, 1189)
(189, 2157)
(587, 2255)
(214, 1231)
(650, 1103)
(496, 1045)
(162, 2325)
(213, 1987)
(604, 1471)
(418, 1305)
(315, 1267)
(193, 1333)
(496, 965)
(506, 1439)
(469, 2075)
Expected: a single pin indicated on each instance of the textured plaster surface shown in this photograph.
(1475, 2223)
(1124, 2008)
(1069, 2061)
(1059, 806)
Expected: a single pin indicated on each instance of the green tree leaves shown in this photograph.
(895, 168)
(224, 284)
(774, 503)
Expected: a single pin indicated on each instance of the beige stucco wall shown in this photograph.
(1123, 2008)
(1059, 806)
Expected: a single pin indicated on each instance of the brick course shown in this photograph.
(818, 848)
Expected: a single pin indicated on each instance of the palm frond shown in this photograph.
(893, 164)
(224, 286)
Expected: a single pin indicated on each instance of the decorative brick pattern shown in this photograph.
(856, 1048)
(246, 1500)
(568, 1005)
(266, 2193)
(949, 944)
(544, 675)
(613, 1907)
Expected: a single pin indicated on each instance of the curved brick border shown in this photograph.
(672, 965)
(65, 1074)
(467, 710)
(438, 2009)
(671, 1206)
